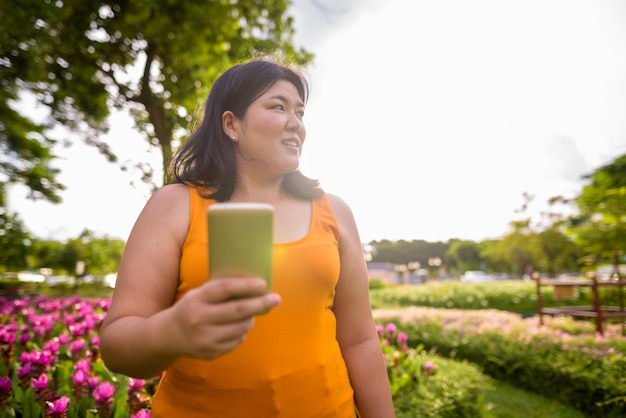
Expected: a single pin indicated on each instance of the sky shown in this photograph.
(431, 119)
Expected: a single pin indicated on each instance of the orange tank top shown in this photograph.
(290, 364)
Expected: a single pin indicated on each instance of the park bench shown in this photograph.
(564, 289)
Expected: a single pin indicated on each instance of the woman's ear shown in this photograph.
(229, 124)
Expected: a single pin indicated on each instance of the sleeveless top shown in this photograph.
(290, 364)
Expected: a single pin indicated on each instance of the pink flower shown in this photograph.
(391, 329)
(402, 341)
(40, 383)
(25, 371)
(77, 346)
(93, 382)
(135, 384)
(428, 368)
(141, 414)
(58, 408)
(5, 385)
(52, 346)
(79, 378)
(5, 393)
(103, 394)
(379, 331)
(83, 365)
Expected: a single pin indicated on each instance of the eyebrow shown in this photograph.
(285, 100)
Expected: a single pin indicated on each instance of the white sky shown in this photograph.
(430, 118)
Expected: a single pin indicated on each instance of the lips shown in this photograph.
(293, 143)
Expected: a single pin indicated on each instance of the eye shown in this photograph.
(300, 113)
(279, 107)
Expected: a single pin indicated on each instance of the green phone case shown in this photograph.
(241, 238)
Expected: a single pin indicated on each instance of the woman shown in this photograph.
(316, 353)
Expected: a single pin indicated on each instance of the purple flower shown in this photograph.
(79, 378)
(95, 341)
(135, 384)
(5, 391)
(58, 408)
(64, 339)
(5, 385)
(77, 346)
(103, 394)
(41, 383)
(93, 382)
(141, 414)
(391, 329)
(52, 346)
(25, 371)
(83, 365)
(7, 335)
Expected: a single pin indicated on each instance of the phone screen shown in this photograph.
(241, 237)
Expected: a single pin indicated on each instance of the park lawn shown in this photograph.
(506, 401)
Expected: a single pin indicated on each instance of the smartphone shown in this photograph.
(241, 239)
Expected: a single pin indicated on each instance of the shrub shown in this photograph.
(580, 369)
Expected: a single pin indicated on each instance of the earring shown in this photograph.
(234, 138)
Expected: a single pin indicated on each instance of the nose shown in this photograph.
(295, 122)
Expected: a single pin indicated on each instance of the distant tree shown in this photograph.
(14, 243)
(514, 250)
(464, 255)
(100, 255)
(556, 252)
(156, 60)
(404, 252)
(600, 225)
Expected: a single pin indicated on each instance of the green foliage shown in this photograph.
(155, 59)
(580, 369)
(464, 255)
(14, 241)
(518, 296)
(405, 252)
(100, 255)
(600, 226)
(377, 284)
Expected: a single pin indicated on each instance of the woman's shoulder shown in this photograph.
(169, 196)
(340, 207)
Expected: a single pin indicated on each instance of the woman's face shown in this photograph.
(272, 131)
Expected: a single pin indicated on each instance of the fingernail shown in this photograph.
(274, 298)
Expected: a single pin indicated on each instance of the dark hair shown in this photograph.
(207, 159)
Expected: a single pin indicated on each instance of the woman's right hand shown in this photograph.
(215, 318)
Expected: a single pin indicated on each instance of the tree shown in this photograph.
(155, 59)
(100, 255)
(514, 250)
(600, 225)
(556, 252)
(25, 154)
(463, 255)
(14, 241)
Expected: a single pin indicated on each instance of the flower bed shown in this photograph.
(50, 364)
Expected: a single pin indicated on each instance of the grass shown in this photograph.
(506, 401)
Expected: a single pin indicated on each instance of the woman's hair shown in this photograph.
(207, 159)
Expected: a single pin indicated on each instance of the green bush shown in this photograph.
(508, 295)
(578, 369)
(427, 385)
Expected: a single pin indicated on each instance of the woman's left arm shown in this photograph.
(356, 331)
